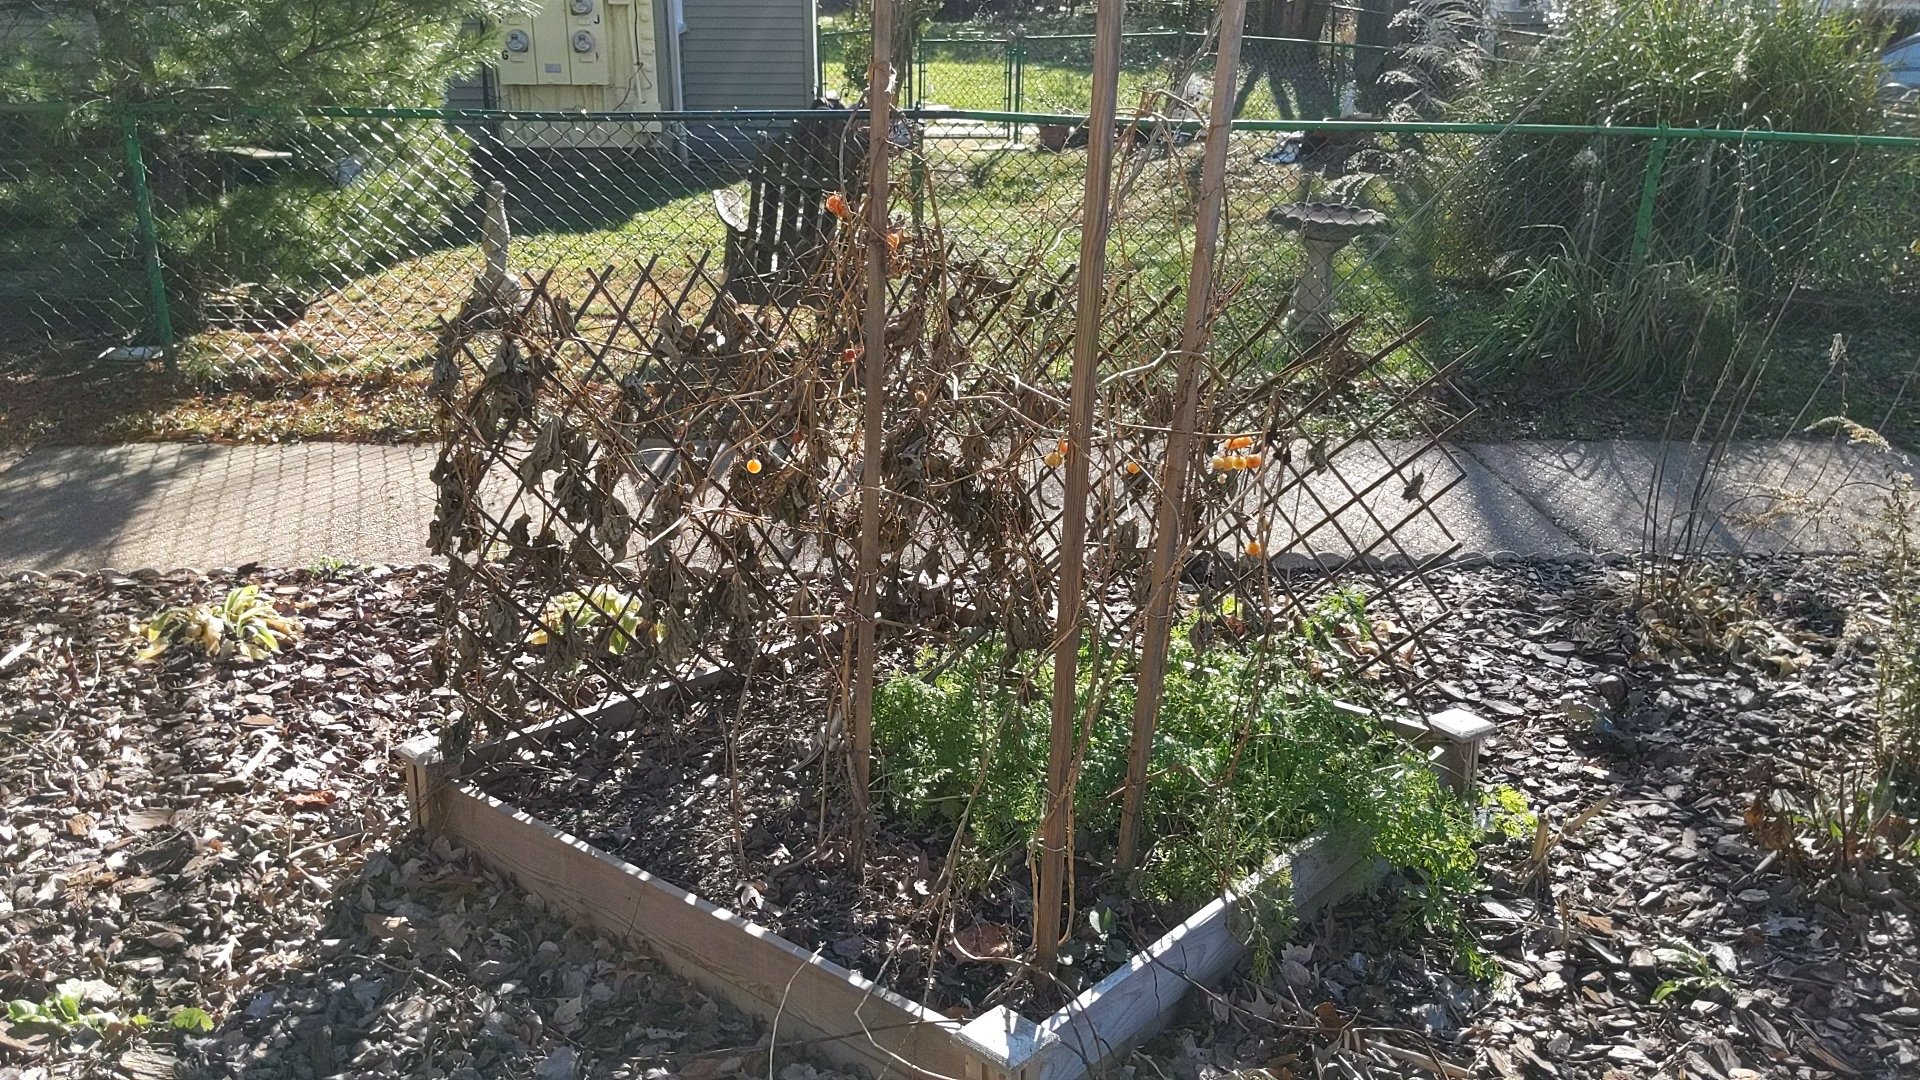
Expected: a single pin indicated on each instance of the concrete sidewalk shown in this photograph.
(167, 505)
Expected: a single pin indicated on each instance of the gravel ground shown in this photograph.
(230, 838)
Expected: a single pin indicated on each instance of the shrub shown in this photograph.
(911, 20)
(1729, 227)
(1786, 65)
(244, 623)
(1610, 327)
(66, 223)
(354, 197)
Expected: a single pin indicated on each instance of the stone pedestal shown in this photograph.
(1324, 229)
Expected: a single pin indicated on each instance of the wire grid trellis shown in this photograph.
(655, 479)
(330, 244)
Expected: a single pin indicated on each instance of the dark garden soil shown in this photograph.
(231, 837)
(662, 795)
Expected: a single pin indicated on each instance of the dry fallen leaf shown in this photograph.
(389, 928)
(981, 941)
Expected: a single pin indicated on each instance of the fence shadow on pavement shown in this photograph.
(70, 506)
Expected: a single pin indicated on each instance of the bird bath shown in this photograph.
(1324, 229)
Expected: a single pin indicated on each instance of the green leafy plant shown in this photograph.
(1508, 813)
(1257, 748)
(1696, 975)
(1834, 820)
(66, 1010)
(189, 1018)
(244, 623)
(601, 612)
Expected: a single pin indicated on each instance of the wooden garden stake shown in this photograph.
(1168, 540)
(866, 592)
(1095, 216)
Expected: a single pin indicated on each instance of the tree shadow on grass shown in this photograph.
(65, 392)
(1295, 78)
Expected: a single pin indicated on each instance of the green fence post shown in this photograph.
(1017, 88)
(1006, 73)
(918, 83)
(1649, 189)
(149, 234)
(819, 61)
(1020, 70)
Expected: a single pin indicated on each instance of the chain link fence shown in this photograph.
(71, 228)
(1281, 78)
(329, 245)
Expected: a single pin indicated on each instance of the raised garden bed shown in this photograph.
(843, 1014)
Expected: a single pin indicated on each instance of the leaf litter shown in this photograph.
(1641, 929)
(228, 838)
(205, 839)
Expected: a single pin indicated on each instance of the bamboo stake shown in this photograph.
(1095, 217)
(866, 592)
(1168, 540)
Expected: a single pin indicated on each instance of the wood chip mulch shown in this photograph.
(230, 837)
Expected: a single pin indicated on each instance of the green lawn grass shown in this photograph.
(370, 338)
(973, 76)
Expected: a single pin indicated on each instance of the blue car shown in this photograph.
(1903, 66)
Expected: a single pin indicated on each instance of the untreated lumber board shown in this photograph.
(845, 1017)
(1130, 1005)
(842, 1015)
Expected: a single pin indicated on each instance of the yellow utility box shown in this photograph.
(580, 55)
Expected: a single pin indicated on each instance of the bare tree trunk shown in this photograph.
(1290, 18)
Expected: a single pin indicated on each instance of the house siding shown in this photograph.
(748, 54)
(471, 92)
